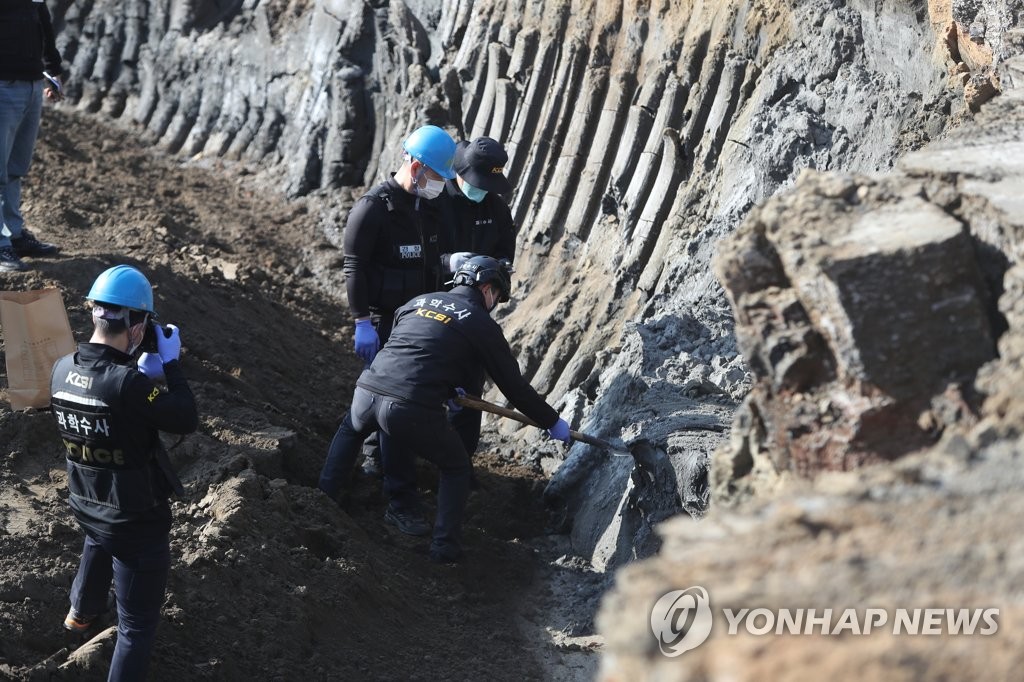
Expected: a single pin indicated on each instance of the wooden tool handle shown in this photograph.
(484, 406)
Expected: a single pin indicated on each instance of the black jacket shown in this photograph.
(483, 228)
(108, 415)
(27, 42)
(441, 341)
(392, 249)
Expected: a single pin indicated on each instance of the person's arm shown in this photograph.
(446, 225)
(449, 239)
(51, 56)
(503, 369)
(360, 242)
(506, 246)
(173, 410)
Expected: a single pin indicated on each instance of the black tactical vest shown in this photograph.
(113, 472)
(412, 265)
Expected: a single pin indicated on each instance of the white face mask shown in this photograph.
(432, 190)
(493, 295)
(132, 347)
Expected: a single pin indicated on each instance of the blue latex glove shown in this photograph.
(454, 406)
(169, 347)
(151, 365)
(367, 341)
(560, 431)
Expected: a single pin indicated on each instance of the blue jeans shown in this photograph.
(138, 569)
(406, 430)
(21, 105)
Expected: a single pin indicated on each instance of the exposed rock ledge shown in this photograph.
(934, 529)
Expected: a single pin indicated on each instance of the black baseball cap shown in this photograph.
(481, 163)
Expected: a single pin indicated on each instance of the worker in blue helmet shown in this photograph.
(393, 235)
(109, 412)
(393, 242)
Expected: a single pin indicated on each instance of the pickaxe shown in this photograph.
(476, 403)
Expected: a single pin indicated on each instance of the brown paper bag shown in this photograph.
(36, 334)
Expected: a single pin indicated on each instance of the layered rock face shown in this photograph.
(639, 134)
(879, 314)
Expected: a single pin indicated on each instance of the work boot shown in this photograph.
(28, 245)
(9, 261)
(78, 624)
(408, 522)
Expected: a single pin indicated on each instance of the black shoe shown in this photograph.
(9, 261)
(410, 523)
(445, 554)
(28, 245)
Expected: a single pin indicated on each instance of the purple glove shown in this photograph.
(560, 431)
(454, 406)
(151, 365)
(168, 346)
(367, 341)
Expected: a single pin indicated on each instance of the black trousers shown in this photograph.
(407, 430)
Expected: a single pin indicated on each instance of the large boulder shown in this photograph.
(857, 304)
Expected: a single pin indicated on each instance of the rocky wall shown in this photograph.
(639, 134)
(867, 306)
(928, 531)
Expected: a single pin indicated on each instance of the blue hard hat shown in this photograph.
(124, 286)
(434, 148)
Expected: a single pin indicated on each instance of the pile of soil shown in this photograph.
(270, 578)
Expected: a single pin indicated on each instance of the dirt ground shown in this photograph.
(270, 579)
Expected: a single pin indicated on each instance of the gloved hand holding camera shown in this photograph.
(160, 345)
(168, 343)
(151, 365)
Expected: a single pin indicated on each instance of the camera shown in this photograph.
(149, 344)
